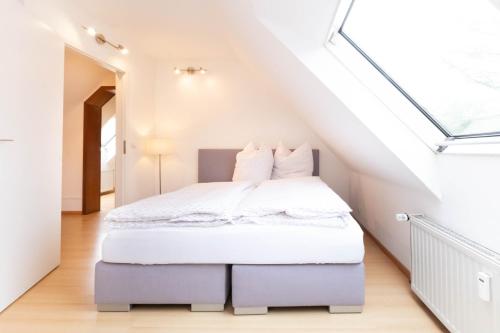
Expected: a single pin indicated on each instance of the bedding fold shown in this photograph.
(290, 201)
(202, 204)
(283, 219)
(303, 200)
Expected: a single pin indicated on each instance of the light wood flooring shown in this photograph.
(107, 202)
(63, 301)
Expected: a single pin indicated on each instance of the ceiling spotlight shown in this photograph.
(101, 39)
(91, 31)
(123, 49)
(190, 70)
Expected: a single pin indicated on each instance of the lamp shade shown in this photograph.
(157, 146)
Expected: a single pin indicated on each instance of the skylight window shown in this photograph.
(443, 56)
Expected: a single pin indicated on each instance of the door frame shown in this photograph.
(92, 125)
(120, 165)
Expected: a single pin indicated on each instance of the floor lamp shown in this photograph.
(158, 146)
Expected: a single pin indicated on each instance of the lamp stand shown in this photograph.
(159, 169)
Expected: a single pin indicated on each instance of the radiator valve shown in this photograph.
(483, 284)
(402, 217)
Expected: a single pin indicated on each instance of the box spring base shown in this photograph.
(118, 286)
(340, 287)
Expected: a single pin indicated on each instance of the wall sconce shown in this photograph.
(190, 70)
(100, 39)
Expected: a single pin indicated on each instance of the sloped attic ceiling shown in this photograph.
(283, 40)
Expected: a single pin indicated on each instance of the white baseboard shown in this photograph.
(71, 204)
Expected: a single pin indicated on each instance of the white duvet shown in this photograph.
(302, 201)
(283, 219)
(203, 204)
(294, 201)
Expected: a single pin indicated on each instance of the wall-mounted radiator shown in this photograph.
(456, 278)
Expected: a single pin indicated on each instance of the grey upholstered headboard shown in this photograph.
(217, 165)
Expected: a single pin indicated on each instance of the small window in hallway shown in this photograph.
(108, 153)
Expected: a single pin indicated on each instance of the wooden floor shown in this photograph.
(107, 201)
(63, 301)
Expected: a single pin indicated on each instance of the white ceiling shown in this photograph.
(187, 29)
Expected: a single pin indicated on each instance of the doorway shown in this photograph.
(90, 135)
(99, 132)
(108, 155)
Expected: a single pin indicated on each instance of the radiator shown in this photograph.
(445, 268)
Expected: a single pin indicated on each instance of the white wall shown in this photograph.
(82, 77)
(108, 152)
(134, 96)
(136, 93)
(31, 108)
(469, 204)
(227, 108)
(108, 110)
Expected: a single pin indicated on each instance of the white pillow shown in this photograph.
(288, 164)
(253, 164)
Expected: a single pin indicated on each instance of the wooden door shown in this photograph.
(92, 114)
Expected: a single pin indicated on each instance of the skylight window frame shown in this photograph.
(403, 92)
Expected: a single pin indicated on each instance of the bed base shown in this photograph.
(118, 286)
(113, 307)
(340, 287)
(126, 307)
(257, 310)
(332, 309)
(345, 308)
(207, 307)
(255, 288)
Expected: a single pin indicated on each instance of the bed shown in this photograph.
(262, 265)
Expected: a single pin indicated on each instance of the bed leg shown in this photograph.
(345, 308)
(113, 307)
(250, 310)
(207, 307)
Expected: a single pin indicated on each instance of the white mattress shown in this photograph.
(236, 244)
